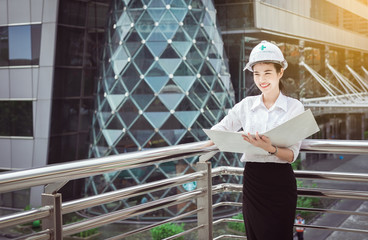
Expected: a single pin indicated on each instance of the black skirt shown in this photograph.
(269, 201)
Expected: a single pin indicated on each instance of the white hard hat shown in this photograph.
(265, 52)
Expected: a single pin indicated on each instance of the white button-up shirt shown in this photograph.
(252, 116)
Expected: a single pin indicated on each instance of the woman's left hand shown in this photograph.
(258, 141)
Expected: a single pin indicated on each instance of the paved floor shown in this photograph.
(357, 164)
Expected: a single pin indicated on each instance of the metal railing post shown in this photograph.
(205, 202)
(55, 221)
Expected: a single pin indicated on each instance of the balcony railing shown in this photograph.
(53, 177)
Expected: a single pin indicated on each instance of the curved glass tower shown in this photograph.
(163, 79)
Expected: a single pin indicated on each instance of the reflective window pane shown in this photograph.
(20, 50)
(69, 50)
(16, 118)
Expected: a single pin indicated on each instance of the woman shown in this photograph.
(269, 185)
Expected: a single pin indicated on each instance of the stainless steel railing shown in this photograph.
(55, 176)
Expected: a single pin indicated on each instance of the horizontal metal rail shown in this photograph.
(84, 168)
(89, 167)
(87, 202)
(130, 212)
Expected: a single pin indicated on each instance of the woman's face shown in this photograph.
(266, 77)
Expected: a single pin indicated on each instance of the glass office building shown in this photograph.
(163, 78)
(64, 66)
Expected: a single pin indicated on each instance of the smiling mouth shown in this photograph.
(264, 85)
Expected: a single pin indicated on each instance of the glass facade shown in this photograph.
(164, 78)
(80, 31)
(20, 45)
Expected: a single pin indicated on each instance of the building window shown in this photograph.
(20, 45)
(16, 118)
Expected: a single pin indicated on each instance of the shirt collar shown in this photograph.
(281, 102)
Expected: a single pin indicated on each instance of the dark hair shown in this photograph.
(281, 85)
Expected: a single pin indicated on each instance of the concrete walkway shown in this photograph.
(357, 164)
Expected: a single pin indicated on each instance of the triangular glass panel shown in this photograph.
(169, 52)
(211, 32)
(173, 136)
(197, 14)
(186, 105)
(187, 118)
(185, 82)
(198, 94)
(145, 25)
(213, 53)
(207, 19)
(209, 80)
(204, 122)
(111, 135)
(212, 104)
(172, 123)
(157, 106)
(194, 58)
(171, 100)
(156, 47)
(156, 13)
(198, 132)
(158, 141)
(128, 112)
(156, 4)
(170, 65)
(142, 130)
(182, 47)
(119, 59)
(142, 135)
(144, 59)
(156, 71)
(171, 87)
(157, 36)
(168, 25)
(124, 20)
(126, 144)
(157, 83)
(115, 100)
(179, 13)
(220, 48)
(118, 88)
(103, 118)
(109, 82)
(184, 70)
(156, 118)
(181, 36)
(115, 123)
(142, 95)
(221, 97)
(190, 25)
(201, 36)
(218, 86)
(207, 70)
(135, 13)
(133, 42)
(216, 64)
(130, 77)
(202, 47)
